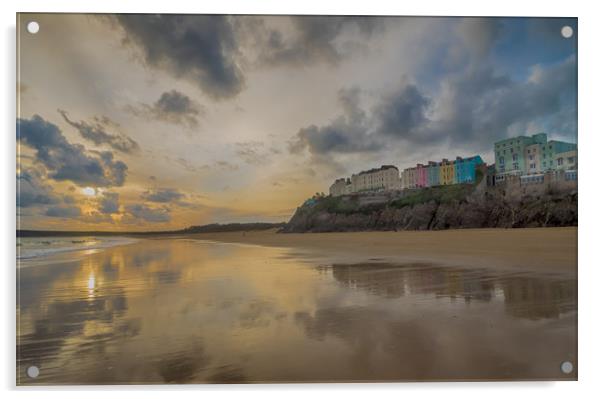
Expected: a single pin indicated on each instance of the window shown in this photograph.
(502, 161)
(560, 161)
(571, 159)
(515, 166)
(530, 157)
(528, 151)
(532, 166)
(544, 164)
(515, 157)
(511, 150)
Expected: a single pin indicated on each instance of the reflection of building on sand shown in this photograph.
(524, 296)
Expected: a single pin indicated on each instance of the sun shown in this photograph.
(89, 191)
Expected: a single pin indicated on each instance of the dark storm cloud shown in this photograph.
(482, 106)
(96, 132)
(109, 203)
(32, 191)
(402, 113)
(66, 161)
(173, 107)
(314, 39)
(348, 133)
(474, 107)
(199, 48)
(142, 212)
(163, 195)
(64, 212)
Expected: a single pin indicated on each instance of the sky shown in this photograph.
(159, 122)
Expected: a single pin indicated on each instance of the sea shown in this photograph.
(39, 248)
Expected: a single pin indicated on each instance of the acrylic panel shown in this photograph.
(275, 199)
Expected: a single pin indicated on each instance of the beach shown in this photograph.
(538, 249)
(263, 307)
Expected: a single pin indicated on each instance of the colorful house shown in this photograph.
(465, 169)
(433, 174)
(447, 173)
(408, 178)
(421, 175)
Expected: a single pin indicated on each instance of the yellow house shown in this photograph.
(447, 172)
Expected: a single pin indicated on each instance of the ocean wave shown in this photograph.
(33, 248)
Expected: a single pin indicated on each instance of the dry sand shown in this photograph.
(532, 249)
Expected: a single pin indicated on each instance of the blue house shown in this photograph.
(433, 174)
(466, 168)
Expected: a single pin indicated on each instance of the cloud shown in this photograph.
(479, 106)
(66, 161)
(96, 132)
(142, 212)
(32, 191)
(473, 108)
(314, 39)
(109, 203)
(172, 107)
(163, 195)
(225, 166)
(346, 134)
(199, 48)
(253, 152)
(478, 35)
(189, 166)
(64, 212)
(402, 113)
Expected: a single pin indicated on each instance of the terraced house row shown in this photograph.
(528, 157)
(387, 177)
(461, 170)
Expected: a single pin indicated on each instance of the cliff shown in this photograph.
(437, 208)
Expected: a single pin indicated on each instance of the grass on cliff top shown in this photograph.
(337, 205)
(439, 194)
(350, 204)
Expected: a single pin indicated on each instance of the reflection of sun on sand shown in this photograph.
(539, 249)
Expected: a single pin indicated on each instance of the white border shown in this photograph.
(590, 133)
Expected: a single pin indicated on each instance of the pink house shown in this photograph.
(422, 178)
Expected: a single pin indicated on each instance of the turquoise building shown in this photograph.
(549, 153)
(433, 174)
(528, 154)
(465, 169)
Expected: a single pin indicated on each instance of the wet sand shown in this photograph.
(303, 308)
(537, 249)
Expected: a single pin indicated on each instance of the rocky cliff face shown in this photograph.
(436, 210)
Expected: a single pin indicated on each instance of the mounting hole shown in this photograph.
(33, 372)
(566, 32)
(33, 27)
(566, 367)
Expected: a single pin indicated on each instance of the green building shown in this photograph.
(530, 154)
